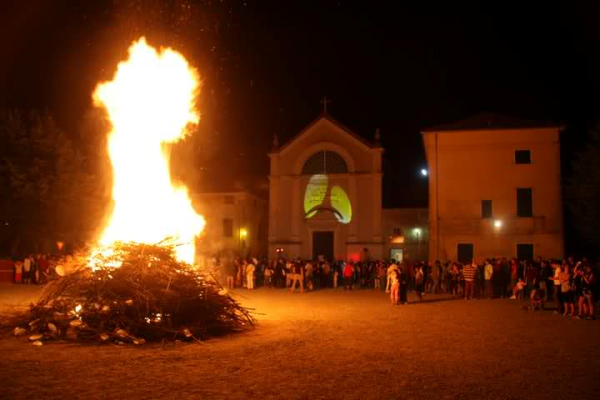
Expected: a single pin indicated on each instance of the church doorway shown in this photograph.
(322, 245)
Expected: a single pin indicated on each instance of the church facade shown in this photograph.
(325, 194)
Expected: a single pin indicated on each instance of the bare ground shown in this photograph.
(327, 345)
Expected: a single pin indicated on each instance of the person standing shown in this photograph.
(488, 273)
(505, 277)
(469, 275)
(395, 288)
(230, 273)
(557, 287)
(393, 266)
(454, 275)
(240, 267)
(409, 268)
(376, 284)
(268, 275)
(588, 282)
(447, 276)
(308, 270)
(44, 268)
(436, 273)
(18, 271)
(382, 275)
(404, 277)
(419, 282)
(326, 274)
(250, 268)
(544, 279)
(336, 274)
(298, 277)
(348, 276)
(566, 290)
(27, 269)
(289, 274)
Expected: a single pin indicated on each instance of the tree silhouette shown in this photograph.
(583, 191)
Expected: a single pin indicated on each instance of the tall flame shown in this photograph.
(150, 101)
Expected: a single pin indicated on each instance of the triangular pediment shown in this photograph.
(333, 126)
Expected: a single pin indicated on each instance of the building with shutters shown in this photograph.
(494, 189)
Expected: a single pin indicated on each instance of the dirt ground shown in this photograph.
(329, 344)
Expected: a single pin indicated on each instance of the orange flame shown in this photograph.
(150, 101)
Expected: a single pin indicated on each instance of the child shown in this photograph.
(537, 299)
(518, 290)
(395, 289)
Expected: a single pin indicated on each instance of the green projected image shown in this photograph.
(316, 193)
(341, 203)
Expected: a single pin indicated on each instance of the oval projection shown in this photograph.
(316, 189)
(341, 203)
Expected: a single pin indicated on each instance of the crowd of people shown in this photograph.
(33, 270)
(571, 285)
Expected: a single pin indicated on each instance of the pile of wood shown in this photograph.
(132, 293)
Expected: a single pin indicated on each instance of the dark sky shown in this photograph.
(400, 68)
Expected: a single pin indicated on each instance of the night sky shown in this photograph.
(401, 69)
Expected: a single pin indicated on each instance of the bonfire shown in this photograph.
(150, 297)
(126, 289)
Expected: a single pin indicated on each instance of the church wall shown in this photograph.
(288, 227)
(364, 215)
(325, 132)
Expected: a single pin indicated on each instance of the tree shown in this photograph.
(583, 191)
(48, 193)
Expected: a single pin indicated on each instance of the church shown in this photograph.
(325, 197)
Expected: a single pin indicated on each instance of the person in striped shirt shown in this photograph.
(469, 274)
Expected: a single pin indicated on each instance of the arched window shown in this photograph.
(325, 162)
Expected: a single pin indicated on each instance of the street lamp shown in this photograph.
(498, 224)
(243, 234)
(417, 233)
(424, 172)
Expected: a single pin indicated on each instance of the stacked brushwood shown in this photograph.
(133, 293)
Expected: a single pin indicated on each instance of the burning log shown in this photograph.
(150, 297)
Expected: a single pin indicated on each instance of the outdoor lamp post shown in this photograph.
(243, 234)
(417, 233)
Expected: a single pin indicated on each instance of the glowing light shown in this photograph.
(243, 233)
(316, 193)
(424, 172)
(316, 189)
(498, 223)
(417, 232)
(150, 102)
(341, 203)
